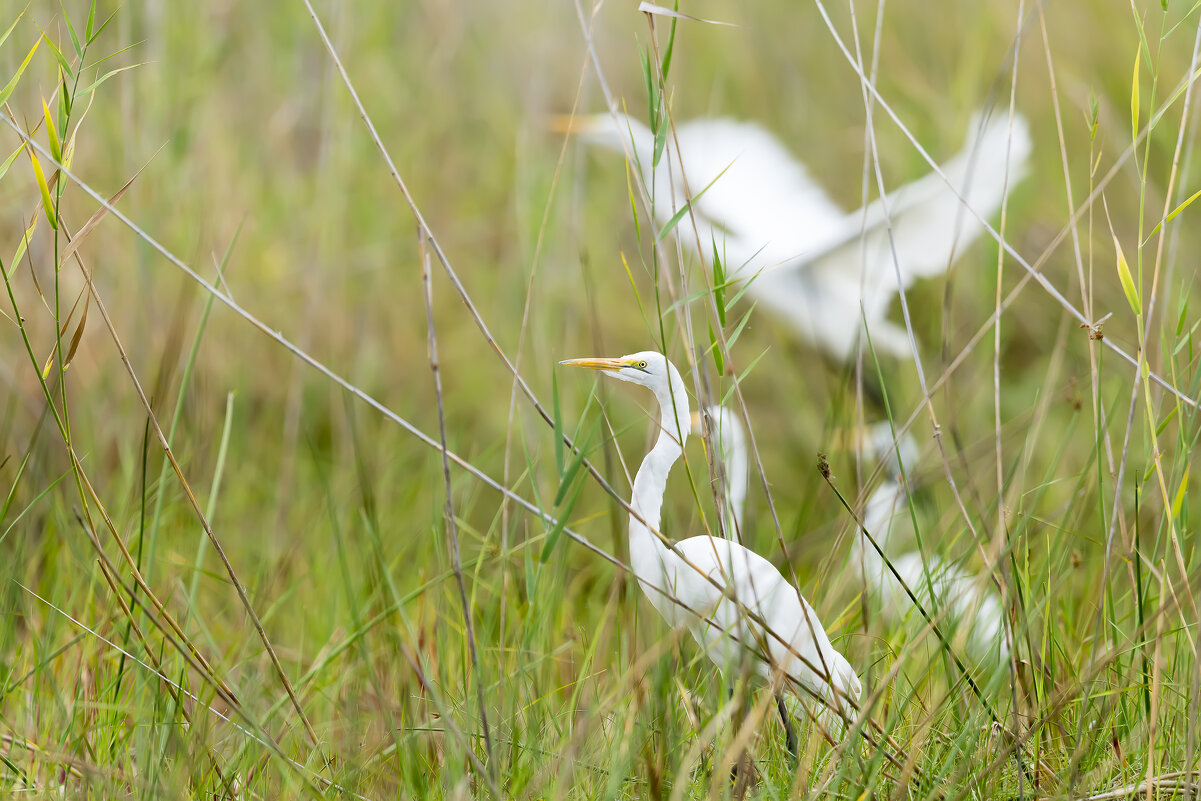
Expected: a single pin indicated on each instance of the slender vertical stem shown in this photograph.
(452, 528)
(1001, 535)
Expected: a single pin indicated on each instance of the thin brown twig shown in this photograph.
(1148, 327)
(452, 528)
(1074, 214)
(1001, 534)
(523, 329)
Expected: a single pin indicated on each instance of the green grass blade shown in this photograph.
(7, 91)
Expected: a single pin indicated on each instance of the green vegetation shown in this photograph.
(262, 308)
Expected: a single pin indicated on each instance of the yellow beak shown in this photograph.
(595, 363)
(568, 124)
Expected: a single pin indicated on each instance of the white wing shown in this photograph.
(930, 226)
(748, 186)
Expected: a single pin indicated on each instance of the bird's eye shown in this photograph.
(641, 365)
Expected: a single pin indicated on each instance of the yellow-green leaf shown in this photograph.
(47, 203)
(673, 222)
(1165, 220)
(1134, 93)
(12, 84)
(49, 363)
(8, 162)
(1183, 206)
(20, 252)
(74, 37)
(1136, 304)
(5, 35)
(1178, 501)
(56, 149)
(96, 83)
(62, 60)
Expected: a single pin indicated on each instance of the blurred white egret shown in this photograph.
(811, 262)
(734, 602)
(967, 599)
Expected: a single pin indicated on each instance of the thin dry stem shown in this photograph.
(452, 528)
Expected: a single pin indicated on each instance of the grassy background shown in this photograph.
(332, 515)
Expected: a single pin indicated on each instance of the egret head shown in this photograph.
(647, 368)
(650, 369)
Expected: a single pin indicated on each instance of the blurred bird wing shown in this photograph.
(930, 223)
(746, 184)
(824, 308)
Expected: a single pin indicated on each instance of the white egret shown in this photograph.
(734, 602)
(810, 262)
(944, 589)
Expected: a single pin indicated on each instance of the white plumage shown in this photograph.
(967, 599)
(954, 595)
(811, 262)
(732, 579)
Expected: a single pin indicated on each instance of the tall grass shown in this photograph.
(234, 355)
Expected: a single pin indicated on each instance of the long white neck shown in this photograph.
(651, 560)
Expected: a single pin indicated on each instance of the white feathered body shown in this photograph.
(719, 582)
